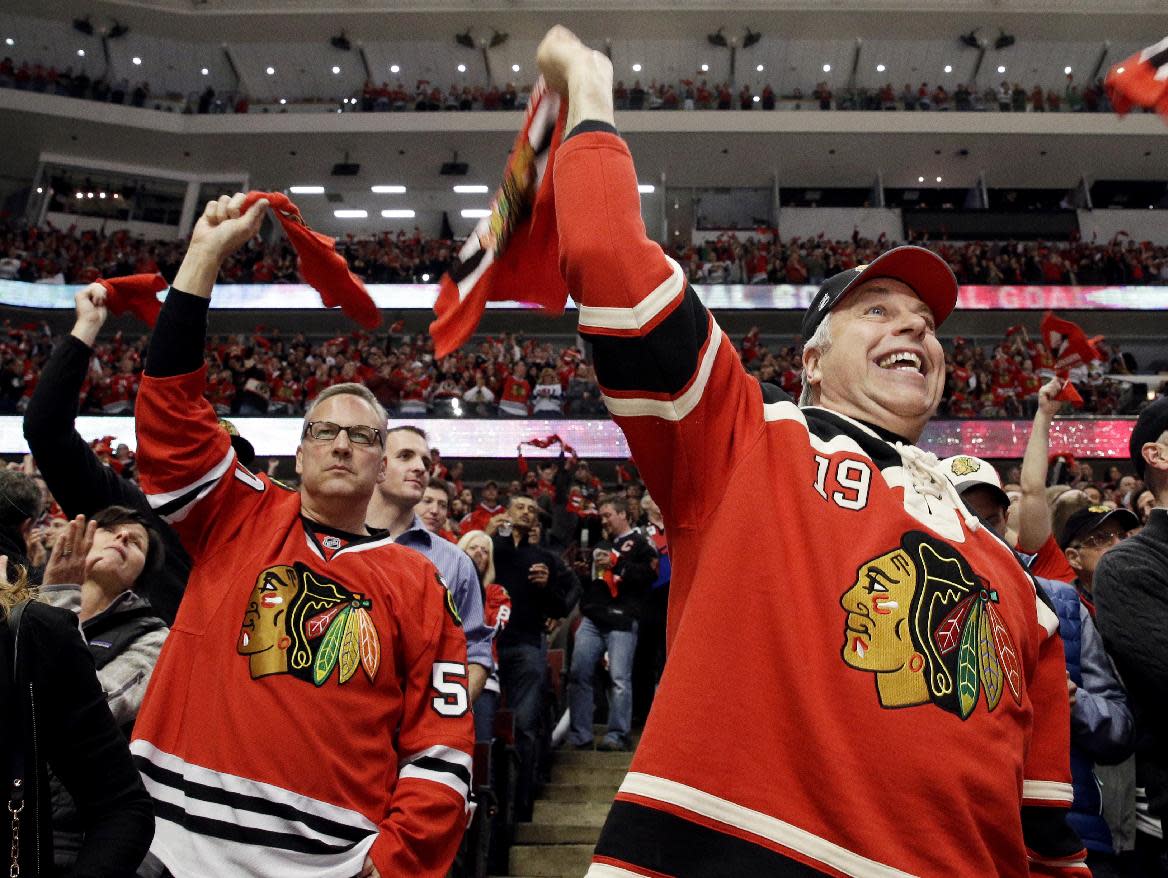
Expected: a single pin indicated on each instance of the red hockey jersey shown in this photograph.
(861, 680)
(310, 705)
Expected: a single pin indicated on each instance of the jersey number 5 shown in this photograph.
(847, 481)
(450, 684)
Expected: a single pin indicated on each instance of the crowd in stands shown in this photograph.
(512, 376)
(685, 94)
(51, 255)
(370, 604)
(765, 259)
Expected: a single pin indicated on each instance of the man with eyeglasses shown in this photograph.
(1086, 537)
(309, 714)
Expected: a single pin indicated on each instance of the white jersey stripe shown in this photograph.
(675, 409)
(212, 477)
(1048, 791)
(641, 314)
(604, 870)
(763, 825)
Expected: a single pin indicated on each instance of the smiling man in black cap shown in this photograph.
(1131, 594)
(861, 678)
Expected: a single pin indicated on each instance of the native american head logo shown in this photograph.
(928, 627)
(964, 466)
(301, 623)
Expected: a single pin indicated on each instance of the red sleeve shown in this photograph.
(429, 808)
(186, 465)
(668, 374)
(1051, 563)
(1052, 846)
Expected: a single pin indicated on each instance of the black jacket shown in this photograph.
(530, 604)
(1131, 612)
(58, 713)
(633, 573)
(81, 483)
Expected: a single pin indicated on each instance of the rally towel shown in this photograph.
(1069, 348)
(1140, 81)
(136, 293)
(512, 254)
(321, 266)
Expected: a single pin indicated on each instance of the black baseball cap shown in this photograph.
(1151, 423)
(929, 276)
(1086, 520)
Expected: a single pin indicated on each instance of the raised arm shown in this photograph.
(657, 349)
(1034, 526)
(78, 481)
(185, 460)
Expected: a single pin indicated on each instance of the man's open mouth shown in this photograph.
(898, 360)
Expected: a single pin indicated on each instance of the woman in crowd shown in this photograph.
(53, 714)
(496, 611)
(93, 572)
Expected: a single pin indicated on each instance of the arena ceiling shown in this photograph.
(294, 20)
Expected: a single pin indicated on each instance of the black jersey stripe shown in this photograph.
(665, 844)
(663, 360)
(433, 763)
(263, 838)
(243, 802)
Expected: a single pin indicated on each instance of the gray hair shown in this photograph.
(821, 341)
(349, 388)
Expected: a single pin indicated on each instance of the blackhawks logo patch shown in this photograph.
(964, 466)
(301, 623)
(929, 629)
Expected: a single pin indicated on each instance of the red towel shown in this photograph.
(1140, 81)
(513, 254)
(136, 293)
(1070, 348)
(321, 266)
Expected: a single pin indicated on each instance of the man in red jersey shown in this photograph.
(309, 715)
(872, 688)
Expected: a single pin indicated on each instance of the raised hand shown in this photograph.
(1047, 403)
(68, 560)
(220, 231)
(91, 313)
(224, 226)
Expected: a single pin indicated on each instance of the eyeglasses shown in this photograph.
(327, 431)
(1102, 540)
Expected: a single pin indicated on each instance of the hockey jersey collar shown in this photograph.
(314, 531)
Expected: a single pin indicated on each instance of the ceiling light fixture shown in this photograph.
(306, 190)
(351, 214)
(398, 213)
(475, 213)
(388, 189)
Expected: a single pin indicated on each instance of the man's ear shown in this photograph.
(1155, 455)
(1074, 559)
(299, 460)
(812, 358)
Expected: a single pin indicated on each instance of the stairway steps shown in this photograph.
(551, 861)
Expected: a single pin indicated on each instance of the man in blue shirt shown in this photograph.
(407, 472)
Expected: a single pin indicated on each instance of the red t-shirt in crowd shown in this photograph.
(1050, 562)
